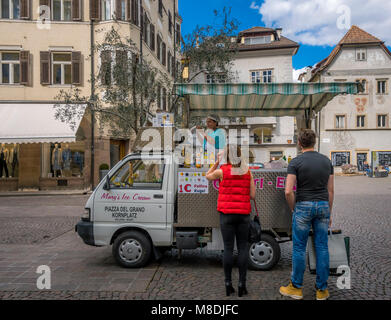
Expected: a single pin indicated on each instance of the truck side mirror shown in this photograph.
(106, 186)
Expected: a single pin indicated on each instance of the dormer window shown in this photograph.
(361, 54)
(258, 40)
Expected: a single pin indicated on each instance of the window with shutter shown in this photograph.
(24, 9)
(42, 13)
(159, 48)
(152, 38)
(24, 67)
(105, 68)
(45, 67)
(169, 22)
(95, 9)
(118, 9)
(169, 62)
(178, 34)
(128, 10)
(76, 10)
(76, 67)
(164, 54)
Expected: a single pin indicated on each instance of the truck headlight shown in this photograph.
(86, 215)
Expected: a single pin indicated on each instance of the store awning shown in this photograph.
(260, 100)
(29, 123)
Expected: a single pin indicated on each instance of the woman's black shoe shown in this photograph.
(229, 289)
(242, 290)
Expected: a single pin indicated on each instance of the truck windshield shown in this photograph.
(139, 174)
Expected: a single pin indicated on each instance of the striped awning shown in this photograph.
(258, 100)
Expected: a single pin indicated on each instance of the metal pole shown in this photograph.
(92, 103)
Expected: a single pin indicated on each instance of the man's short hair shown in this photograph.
(307, 138)
(214, 117)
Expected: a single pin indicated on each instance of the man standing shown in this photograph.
(314, 175)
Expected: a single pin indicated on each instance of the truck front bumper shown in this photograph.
(85, 230)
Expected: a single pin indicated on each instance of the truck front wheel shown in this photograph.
(265, 254)
(132, 249)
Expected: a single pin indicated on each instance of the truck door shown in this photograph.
(137, 194)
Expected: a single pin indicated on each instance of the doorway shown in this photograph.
(361, 158)
(117, 151)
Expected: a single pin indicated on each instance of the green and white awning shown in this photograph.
(259, 100)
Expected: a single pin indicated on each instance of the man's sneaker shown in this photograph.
(322, 294)
(291, 291)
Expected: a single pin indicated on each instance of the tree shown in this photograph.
(128, 86)
(126, 89)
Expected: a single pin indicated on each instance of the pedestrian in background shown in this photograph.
(314, 175)
(235, 191)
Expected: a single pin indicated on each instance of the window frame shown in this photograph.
(62, 12)
(11, 64)
(10, 10)
(112, 186)
(358, 124)
(261, 75)
(103, 13)
(345, 121)
(385, 86)
(62, 63)
(250, 40)
(366, 85)
(361, 51)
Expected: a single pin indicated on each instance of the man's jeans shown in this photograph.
(307, 214)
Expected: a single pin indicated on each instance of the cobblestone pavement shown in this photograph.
(362, 211)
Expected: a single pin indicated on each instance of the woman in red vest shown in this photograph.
(235, 191)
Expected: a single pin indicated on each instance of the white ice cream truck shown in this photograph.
(149, 203)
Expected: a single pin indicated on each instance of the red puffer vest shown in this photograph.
(234, 192)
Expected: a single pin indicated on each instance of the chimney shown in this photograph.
(279, 31)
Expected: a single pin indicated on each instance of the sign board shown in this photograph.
(193, 182)
(163, 119)
(326, 140)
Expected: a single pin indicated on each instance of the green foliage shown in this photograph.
(104, 166)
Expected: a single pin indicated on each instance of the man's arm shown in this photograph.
(330, 188)
(289, 194)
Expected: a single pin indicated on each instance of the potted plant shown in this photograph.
(103, 170)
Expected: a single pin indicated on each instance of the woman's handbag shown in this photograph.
(254, 233)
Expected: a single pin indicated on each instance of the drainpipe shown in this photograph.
(92, 98)
(175, 48)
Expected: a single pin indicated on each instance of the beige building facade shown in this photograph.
(353, 129)
(45, 47)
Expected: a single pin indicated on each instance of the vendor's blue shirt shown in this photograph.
(219, 136)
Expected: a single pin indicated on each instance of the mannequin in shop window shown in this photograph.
(4, 155)
(57, 160)
(66, 160)
(13, 159)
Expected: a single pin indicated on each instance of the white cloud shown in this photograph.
(318, 22)
(297, 73)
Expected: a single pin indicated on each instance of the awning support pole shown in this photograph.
(186, 112)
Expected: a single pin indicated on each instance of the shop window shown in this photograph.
(62, 10)
(9, 160)
(339, 158)
(62, 68)
(10, 68)
(63, 159)
(10, 9)
(139, 174)
(276, 155)
(382, 120)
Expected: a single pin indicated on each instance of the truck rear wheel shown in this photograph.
(132, 249)
(265, 254)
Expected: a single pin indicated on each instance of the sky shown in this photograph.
(317, 25)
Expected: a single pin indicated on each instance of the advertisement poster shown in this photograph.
(193, 182)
